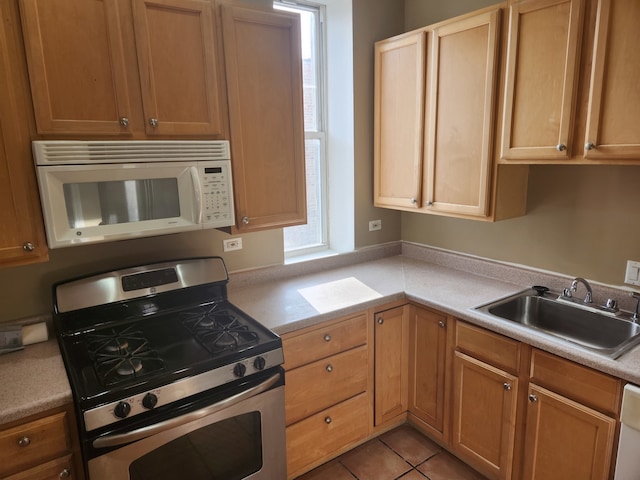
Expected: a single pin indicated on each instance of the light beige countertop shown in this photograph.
(32, 380)
(288, 298)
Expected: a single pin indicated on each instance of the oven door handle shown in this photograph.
(122, 438)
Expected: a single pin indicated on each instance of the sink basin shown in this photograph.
(601, 332)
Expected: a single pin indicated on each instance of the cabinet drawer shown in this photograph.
(318, 436)
(42, 440)
(499, 351)
(324, 383)
(58, 468)
(582, 384)
(324, 341)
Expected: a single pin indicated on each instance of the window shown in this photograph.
(312, 237)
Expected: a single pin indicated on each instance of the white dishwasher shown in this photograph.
(628, 462)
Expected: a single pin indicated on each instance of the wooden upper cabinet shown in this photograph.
(22, 235)
(400, 65)
(178, 68)
(543, 57)
(263, 66)
(76, 66)
(86, 78)
(613, 130)
(435, 107)
(460, 110)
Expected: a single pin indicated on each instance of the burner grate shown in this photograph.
(121, 355)
(218, 329)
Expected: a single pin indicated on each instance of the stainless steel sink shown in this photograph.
(609, 334)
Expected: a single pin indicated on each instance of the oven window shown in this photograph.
(107, 203)
(227, 450)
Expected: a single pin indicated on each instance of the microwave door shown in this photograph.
(111, 202)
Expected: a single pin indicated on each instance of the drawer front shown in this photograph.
(324, 341)
(60, 468)
(582, 384)
(324, 383)
(320, 435)
(35, 442)
(494, 349)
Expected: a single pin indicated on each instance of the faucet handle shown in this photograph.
(611, 304)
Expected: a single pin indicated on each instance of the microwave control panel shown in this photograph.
(217, 193)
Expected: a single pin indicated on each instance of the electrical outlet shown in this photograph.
(632, 275)
(375, 225)
(232, 244)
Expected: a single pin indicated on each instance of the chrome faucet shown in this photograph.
(568, 292)
(635, 317)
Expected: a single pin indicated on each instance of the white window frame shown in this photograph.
(321, 127)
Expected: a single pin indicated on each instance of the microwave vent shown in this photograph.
(61, 152)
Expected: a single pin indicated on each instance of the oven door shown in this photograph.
(241, 437)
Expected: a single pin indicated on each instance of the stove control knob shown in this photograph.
(122, 409)
(259, 363)
(149, 401)
(239, 370)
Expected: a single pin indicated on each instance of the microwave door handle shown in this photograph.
(197, 192)
(144, 432)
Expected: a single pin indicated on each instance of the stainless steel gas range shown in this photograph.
(171, 380)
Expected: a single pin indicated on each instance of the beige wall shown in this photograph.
(581, 220)
(372, 21)
(26, 290)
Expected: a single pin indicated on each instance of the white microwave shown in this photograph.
(100, 191)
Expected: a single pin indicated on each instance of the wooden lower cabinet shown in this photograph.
(327, 391)
(484, 416)
(565, 439)
(427, 364)
(391, 330)
(319, 436)
(41, 448)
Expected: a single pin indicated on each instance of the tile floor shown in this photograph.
(402, 453)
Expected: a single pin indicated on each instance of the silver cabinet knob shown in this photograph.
(124, 121)
(414, 201)
(153, 122)
(327, 420)
(28, 247)
(327, 337)
(533, 398)
(428, 203)
(65, 473)
(245, 220)
(589, 146)
(380, 320)
(561, 147)
(441, 324)
(24, 442)
(329, 368)
(506, 385)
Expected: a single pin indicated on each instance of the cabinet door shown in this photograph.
(22, 236)
(76, 66)
(264, 84)
(391, 363)
(177, 61)
(459, 134)
(614, 102)
(399, 120)
(484, 410)
(543, 57)
(428, 336)
(565, 439)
